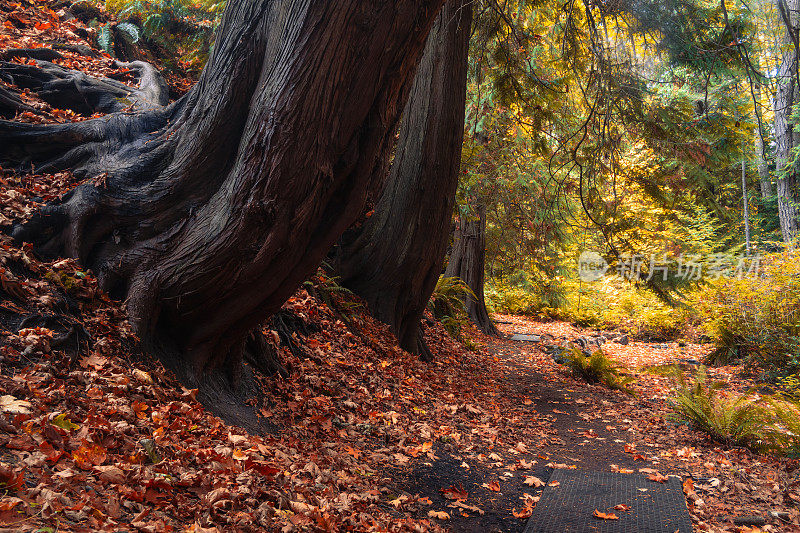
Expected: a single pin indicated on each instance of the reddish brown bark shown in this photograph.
(395, 258)
(467, 262)
(215, 208)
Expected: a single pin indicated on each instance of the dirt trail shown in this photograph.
(577, 435)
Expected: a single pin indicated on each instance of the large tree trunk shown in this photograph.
(785, 138)
(395, 257)
(209, 212)
(467, 262)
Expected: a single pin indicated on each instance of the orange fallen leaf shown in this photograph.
(604, 516)
(140, 409)
(622, 507)
(657, 478)
(525, 512)
(89, 454)
(494, 485)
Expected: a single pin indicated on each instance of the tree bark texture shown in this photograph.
(764, 179)
(786, 139)
(210, 211)
(467, 262)
(394, 259)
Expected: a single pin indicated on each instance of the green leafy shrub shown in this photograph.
(732, 419)
(756, 319)
(787, 413)
(790, 386)
(504, 298)
(597, 368)
(524, 293)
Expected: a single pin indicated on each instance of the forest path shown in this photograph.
(585, 427)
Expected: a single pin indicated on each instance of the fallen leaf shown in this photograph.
(11, 405)
(534, 481)
(111, 474)
(95, 360)
(441, 515)
(462, 505)
(494, 485)
(61, 421)
(89, 454)
(525, 512)
(11, 478)
(142, 376)
(399, 501)
(455, 493)
(562, 466)
(604, 516)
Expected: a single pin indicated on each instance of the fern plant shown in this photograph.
(737, 419)
(332, 293)
(598, 368)
(447, 304)
(180, 32)
(105, 35)
(449, 294)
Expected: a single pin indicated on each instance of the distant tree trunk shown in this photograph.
(764, 178)
(207, 214)
(467, 262)
(785, 137)
(746, 207)
(394, 259)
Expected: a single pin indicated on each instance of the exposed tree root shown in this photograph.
(11, 104)
(263, 355)
(71, 89)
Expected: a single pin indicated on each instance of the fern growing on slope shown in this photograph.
(736, 419)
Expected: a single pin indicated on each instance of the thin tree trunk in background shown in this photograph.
(394, 259)
(746, 204)
(764, 178)
(786, 97)
(467, 262)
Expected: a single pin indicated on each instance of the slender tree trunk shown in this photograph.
(785, 138)
(209, 212)
(467, 262)
(746, 207)
(394, 259)
(764, 178)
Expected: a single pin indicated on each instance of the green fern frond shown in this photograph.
(104, 38)
(741, 420)
(129, 31)
(598, 368)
